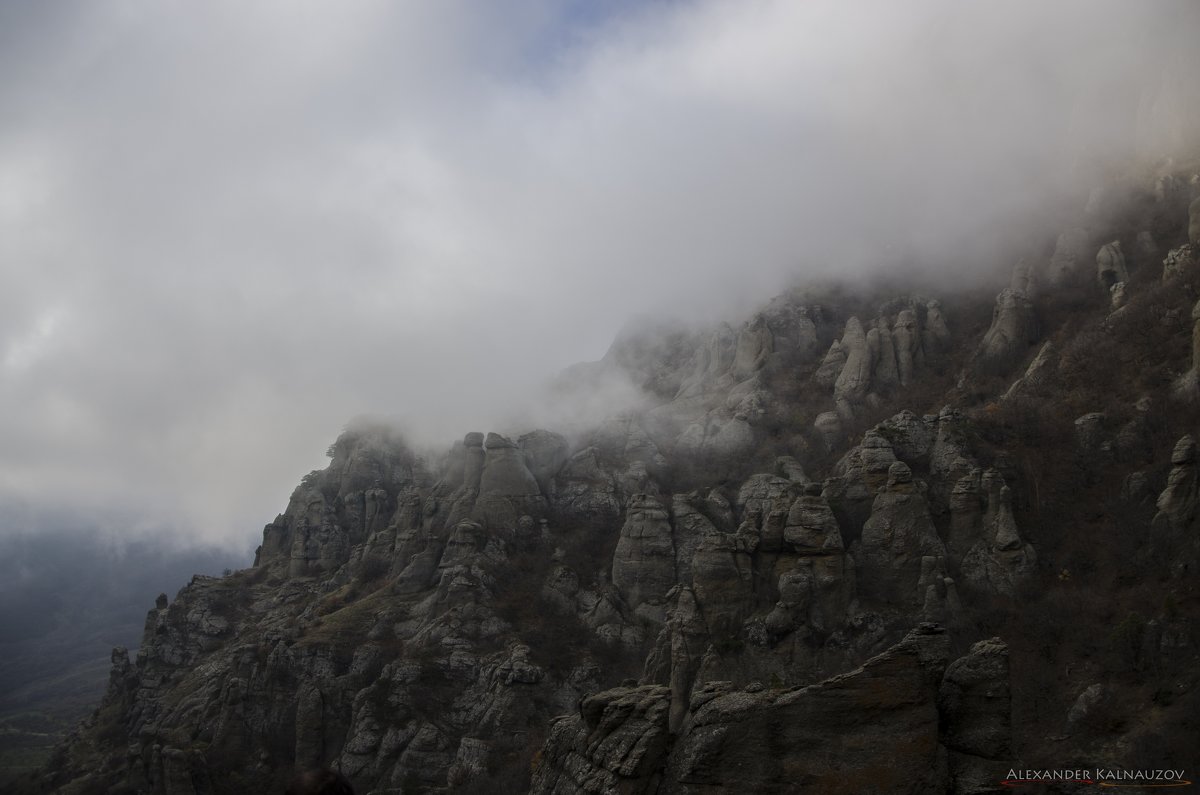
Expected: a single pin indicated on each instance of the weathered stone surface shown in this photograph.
(545, 453)
(975, 702)
(1181, 262)
(811, 527)
(936, 336)
(907, 339)
(616, 744)
(1002, 561)
(754, 344)
(504, 471)
(831, 366)
(1014, 328)
(887, 373)
(586, 490)
(841, 735)
(690, 525)
(909, 436)
(1036, 374)
(894, 539)
(765, 492)
(1070, 254)
(828, 426)
(855, 379)
(1177, 502)
(711, 364)
(1194, 222)
(1110, 265)
(723, 581)
(643, 566)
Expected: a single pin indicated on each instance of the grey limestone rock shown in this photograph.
(1177, 502)
(643, 568)
(975, 703)
(1181, 262)
(855, 379)
(1070, 254)
(504, 470)
(897, 535)
(754, 344)
(936, 336)
(837, 735)
(1014, 328)
(831, 366)
(1036, 374)
(907, 338)
(1001, 561)
(616, 744)
(887, 373)
(545, 454)
(1110, 265)
(828, 426)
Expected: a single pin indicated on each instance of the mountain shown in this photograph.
(871, 539)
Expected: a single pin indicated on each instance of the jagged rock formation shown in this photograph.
(1014, 328)
(975, 704)
(1001, 560)
(1180, 262)
(1070, 253)
(839, 735)
(750, 583)
(1110, 265)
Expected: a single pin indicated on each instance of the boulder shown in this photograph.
(1194, 222)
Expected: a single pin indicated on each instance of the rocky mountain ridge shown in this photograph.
(869, 544)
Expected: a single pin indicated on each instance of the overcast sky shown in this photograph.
(227, 227)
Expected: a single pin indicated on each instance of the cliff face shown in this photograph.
(808, 565)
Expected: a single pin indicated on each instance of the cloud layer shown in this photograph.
(226, 228)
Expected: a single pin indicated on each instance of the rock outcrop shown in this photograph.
(975, 702)
(895, 539)
(838, 735)
(1110, 265)
(616, 744)
(1001, 561)
(1014, 329)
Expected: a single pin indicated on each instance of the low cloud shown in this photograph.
(225, 228)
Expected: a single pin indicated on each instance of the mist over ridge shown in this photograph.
(226, 231)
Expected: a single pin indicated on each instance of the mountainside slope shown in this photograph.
(872, 542)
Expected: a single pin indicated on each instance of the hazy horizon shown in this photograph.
(227, 229)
